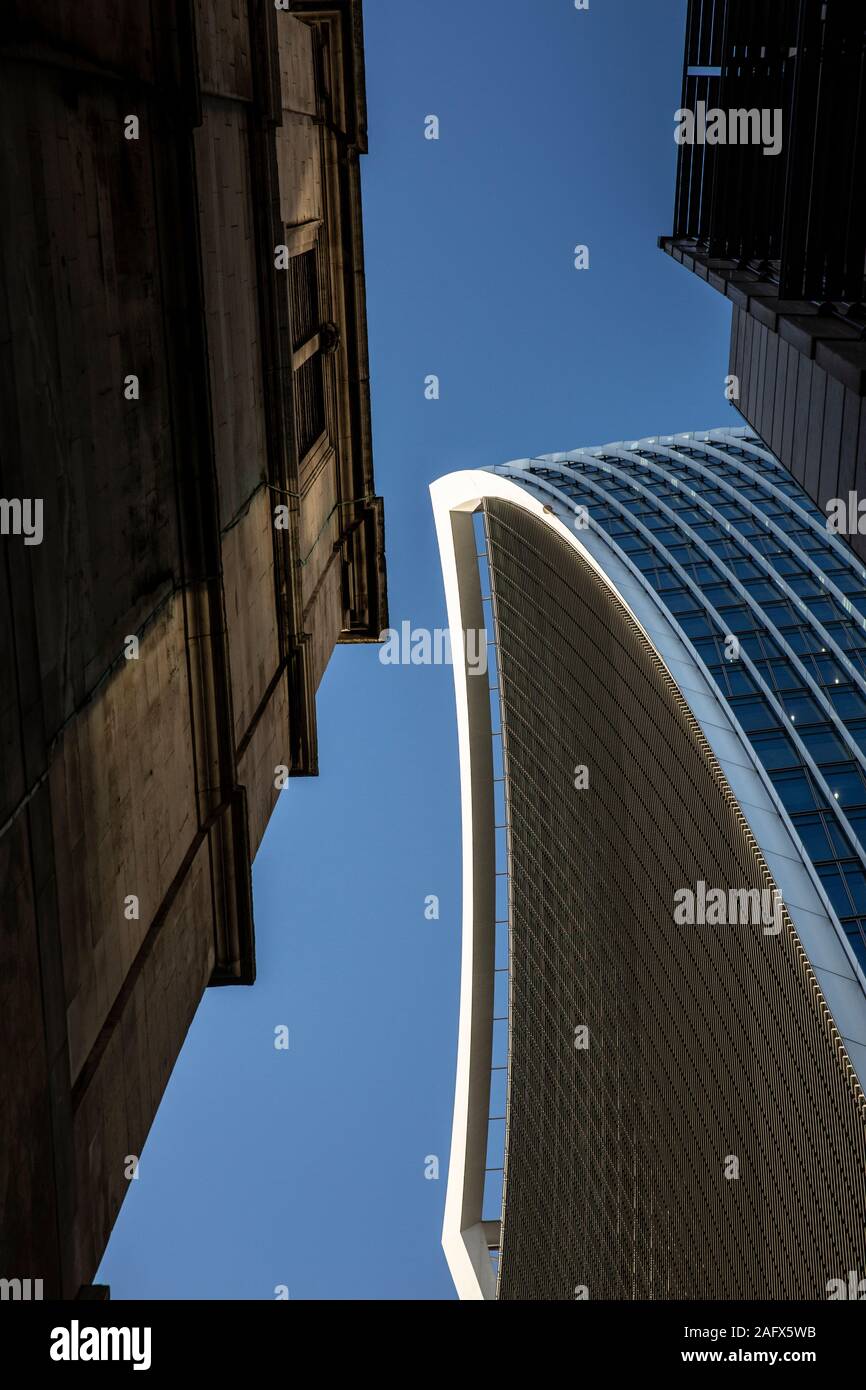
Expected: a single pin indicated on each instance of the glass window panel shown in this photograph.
(781, 613)
(721, 595)
(843, 847)
(810, 540)
(826, 560)
(856, 729)
(668, 581)
(821, 607)
(847, 785)
(696, 625)
(805, 586)
(762, 645)
(835, 888)
(828, 669)
(775, 750)
(762, 590)
(754, 714)
(712, 649)
(802, 709)
(847, 701)
(783, 675)
(803, 639)
(682, 601)
(746, 569)
(858, 944)
(645, 559)
(739, 620)
(824, 745)
(857, 822)
(848, 582)
(704, 574)
(797, 791)
(845, 634)
(787, 564)
(633, 542)
(733, 680)
(813, 833)
(855, 878)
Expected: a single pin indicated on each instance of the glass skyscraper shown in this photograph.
(662, 1046)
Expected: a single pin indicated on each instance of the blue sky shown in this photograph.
(306, 1168)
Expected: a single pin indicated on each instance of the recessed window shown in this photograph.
(307, 350)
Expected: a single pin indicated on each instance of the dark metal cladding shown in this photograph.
(704, 1042)
(783, 236)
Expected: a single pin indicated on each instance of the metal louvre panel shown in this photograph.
(310, 403)
(304, 296)
(800, 215)
(704, 1041)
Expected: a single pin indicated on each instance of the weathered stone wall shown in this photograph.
(153, 777)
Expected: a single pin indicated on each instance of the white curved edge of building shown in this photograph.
(456, 497)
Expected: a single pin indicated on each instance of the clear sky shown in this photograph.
(306, 1168)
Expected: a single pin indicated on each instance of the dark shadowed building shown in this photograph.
(783, 236)
(184, 407)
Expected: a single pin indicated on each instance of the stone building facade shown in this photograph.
(185, 394)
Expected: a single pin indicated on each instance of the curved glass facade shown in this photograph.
(675, 700)
(773, 603)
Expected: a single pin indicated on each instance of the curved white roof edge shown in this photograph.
(455, 498)
(463, 1235)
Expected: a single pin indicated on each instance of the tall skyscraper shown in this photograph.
(189, 526)
(779, 228)
(662, 1039)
